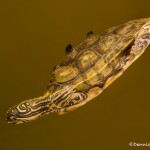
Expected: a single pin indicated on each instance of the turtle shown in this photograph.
(86, 70)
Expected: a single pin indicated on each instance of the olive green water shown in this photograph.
(34, 35)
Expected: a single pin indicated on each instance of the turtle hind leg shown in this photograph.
(142, 40)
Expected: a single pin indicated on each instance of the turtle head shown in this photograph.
(12, 115)
(28, 110)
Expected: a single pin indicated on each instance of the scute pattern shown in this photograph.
(65, 73)
(85, 59)
(106, 42)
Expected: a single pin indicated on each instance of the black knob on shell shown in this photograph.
(69, 48)
(89, 34)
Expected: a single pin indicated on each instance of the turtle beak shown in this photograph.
(12, 115)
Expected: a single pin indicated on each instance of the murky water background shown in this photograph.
(34, 35)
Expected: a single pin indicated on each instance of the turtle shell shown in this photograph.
(92, 60)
